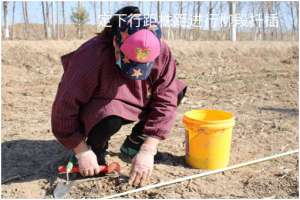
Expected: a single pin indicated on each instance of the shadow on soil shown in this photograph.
(27, 160)
(290, 111)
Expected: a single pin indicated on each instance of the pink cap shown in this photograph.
(142, 46)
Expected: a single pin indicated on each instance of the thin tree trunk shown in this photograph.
(297, 12)
(210, 9)
(192, 33)
(186, 33)
(277, 13)
(101, 11)
(141, 6)
(25, 16)
(79, 25)
(293, 20)
(64, 19)
(170, 19)
(49, 31)
(26, 13)
(222, 22)
(198, 7)
(109, 7)
(263, 23)
(95, 14)
(150, 9)
(6, 30)
(279, 20)
(198, 14)
(57, 21)
(52, 18)
(13, 20)
(232, 12)
(158, 10)
(259, 11)
(255, 22)
(269, 9)
(45, 20)
(101, 8)
(180, 16)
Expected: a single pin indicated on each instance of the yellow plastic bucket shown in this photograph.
(208, 138)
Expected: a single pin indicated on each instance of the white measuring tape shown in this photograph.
(201, 175)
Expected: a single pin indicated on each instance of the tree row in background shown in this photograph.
(55, 27)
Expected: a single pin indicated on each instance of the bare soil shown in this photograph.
(257, 81)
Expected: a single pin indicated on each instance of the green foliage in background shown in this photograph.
(79, 17)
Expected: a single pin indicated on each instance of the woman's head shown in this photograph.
(137, 44)
(136, 40)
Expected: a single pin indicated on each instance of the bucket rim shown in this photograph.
(188, 119)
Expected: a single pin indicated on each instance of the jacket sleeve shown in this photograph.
(76, 87)
(163, 104)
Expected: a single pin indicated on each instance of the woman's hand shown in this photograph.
(87, 160)
(142, 163)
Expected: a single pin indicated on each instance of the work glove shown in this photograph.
(87, 162)
(142, 165)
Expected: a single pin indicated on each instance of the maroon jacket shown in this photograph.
(92, 87)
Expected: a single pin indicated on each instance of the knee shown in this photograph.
(111, 124)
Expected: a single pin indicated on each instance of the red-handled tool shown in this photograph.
(113, 167)
(63, 188)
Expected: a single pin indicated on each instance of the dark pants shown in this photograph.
(100, 134)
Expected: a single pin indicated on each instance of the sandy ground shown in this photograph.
(257, 81)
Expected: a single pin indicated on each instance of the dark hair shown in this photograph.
(111, 26)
